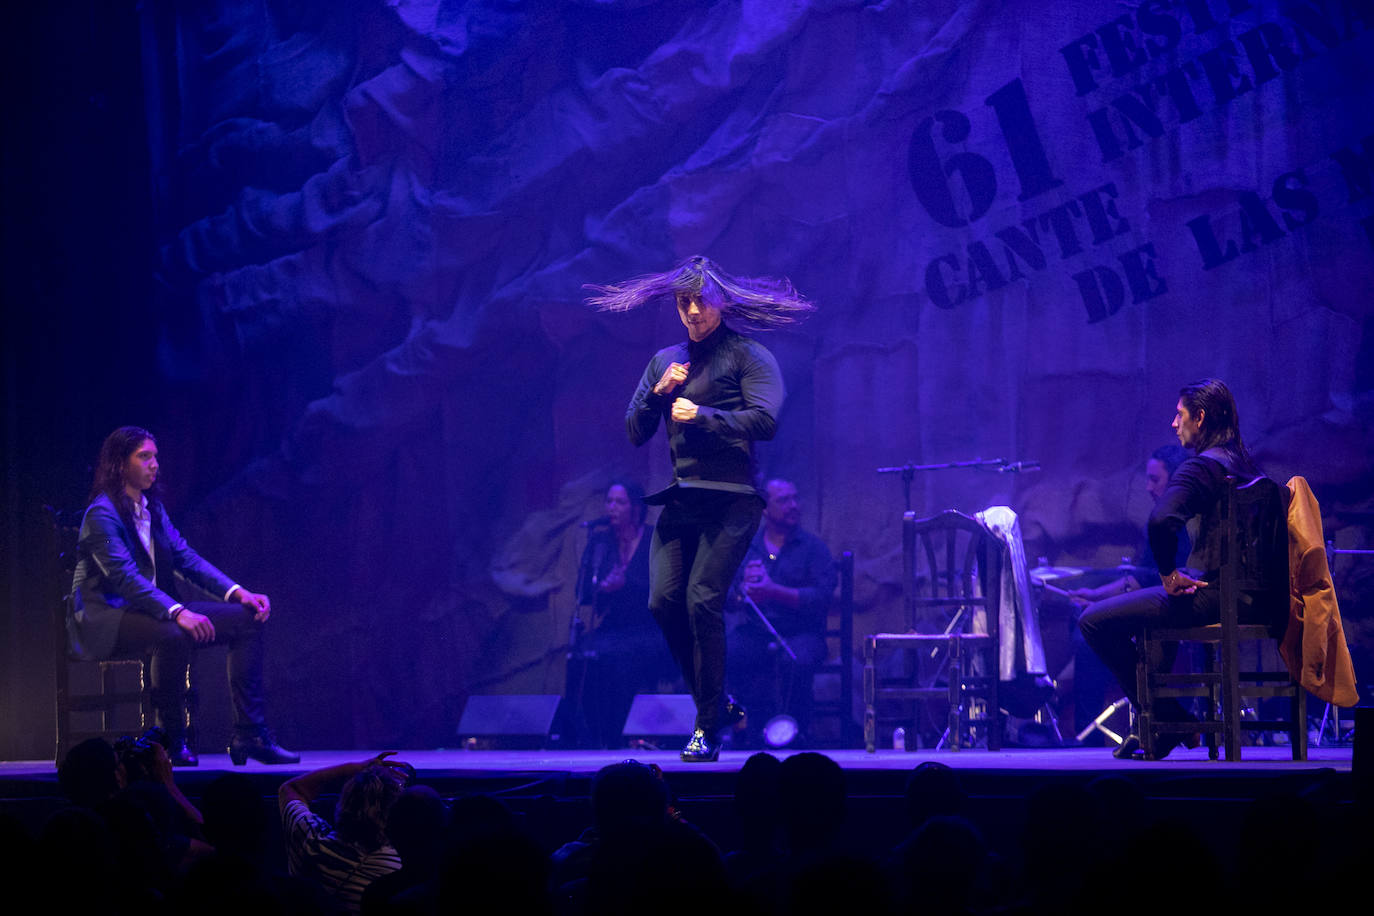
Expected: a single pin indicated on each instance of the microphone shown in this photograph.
(596, 522)
(1019, 467)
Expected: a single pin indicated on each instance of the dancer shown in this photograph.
(716, 394)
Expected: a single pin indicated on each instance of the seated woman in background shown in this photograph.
(623, 650)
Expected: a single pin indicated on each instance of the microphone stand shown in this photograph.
(768, 625)
(1000, 465)
(908, 472)
(575, 677)
(785, 693)
(586, 570)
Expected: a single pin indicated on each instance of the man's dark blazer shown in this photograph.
(114, 575)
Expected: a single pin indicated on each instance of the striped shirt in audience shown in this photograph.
(317, 854)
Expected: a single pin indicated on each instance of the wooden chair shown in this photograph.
(119, 682)
(1254, 559)
(951, 568)
(841, 708)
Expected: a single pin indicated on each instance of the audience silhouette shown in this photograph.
(1069, 847)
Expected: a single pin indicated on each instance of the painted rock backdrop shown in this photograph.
(383, 401)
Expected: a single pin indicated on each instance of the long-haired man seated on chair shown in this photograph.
(1207, 424)
(128, 556)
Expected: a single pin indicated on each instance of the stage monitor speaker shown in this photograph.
(510, 721)
(660, 715)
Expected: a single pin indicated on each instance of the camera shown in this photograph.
(139, 754)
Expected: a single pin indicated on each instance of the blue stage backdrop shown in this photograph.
(1024, 228)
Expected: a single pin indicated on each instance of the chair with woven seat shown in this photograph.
(1254, 561)
(119, 683)
(951, 570)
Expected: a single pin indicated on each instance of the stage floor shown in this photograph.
(484, 764)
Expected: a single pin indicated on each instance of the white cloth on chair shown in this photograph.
(1021, 651)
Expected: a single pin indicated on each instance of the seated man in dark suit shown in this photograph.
(1207, 424)
(128, 556)
(1092, 681)
(790, 575)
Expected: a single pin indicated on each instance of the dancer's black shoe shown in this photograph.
(701, 749)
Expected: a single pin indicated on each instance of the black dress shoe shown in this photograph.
(735, 714)
(181, 754)
(701, 749)
(1129, 749)
(261, 747)
(1166, 744)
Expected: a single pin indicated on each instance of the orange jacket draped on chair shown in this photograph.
(1314, 645)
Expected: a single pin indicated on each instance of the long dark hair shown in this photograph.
(636, 494)
(758, 303)
(364, 803)
(109, 467)
(1220, 422)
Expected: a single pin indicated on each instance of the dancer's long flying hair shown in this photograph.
(756, 303)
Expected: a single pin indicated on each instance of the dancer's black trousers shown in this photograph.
(699, 542)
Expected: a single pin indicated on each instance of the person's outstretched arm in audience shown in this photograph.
(308, 786)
